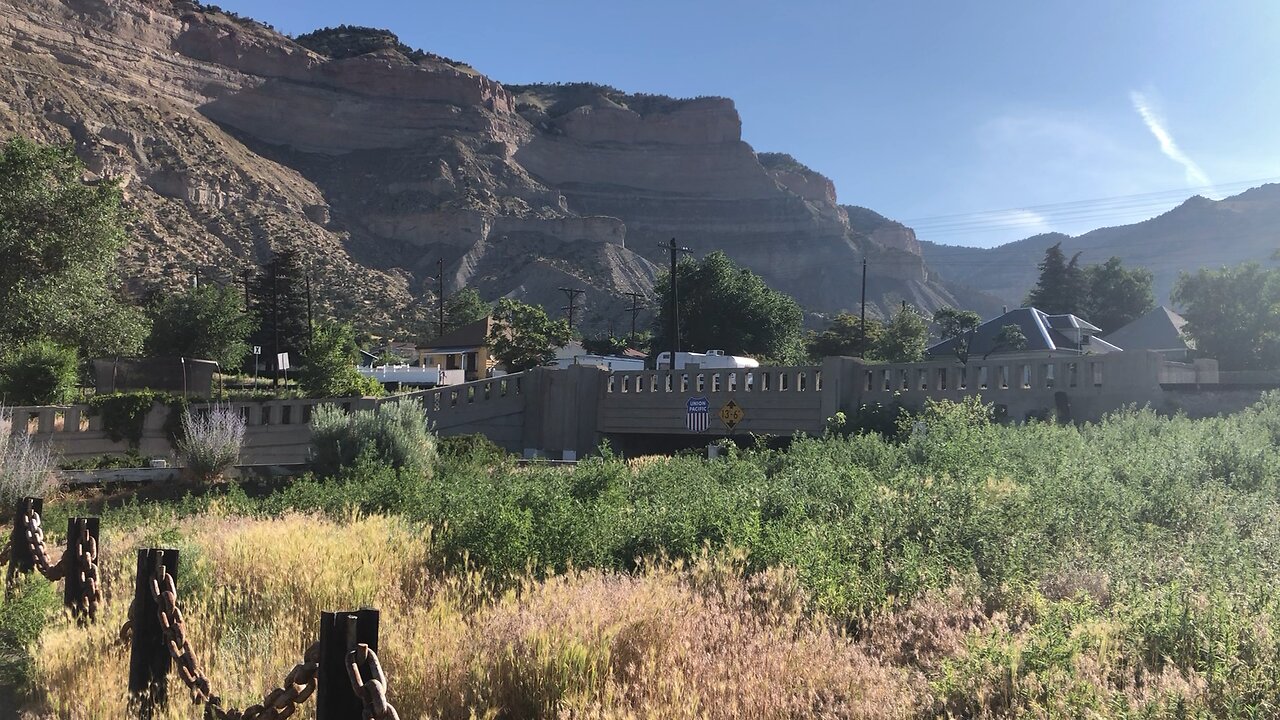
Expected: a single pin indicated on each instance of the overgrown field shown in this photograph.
(1125, 569)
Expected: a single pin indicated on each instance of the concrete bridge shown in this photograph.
(565, 414)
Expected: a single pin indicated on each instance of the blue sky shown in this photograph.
(974, 122)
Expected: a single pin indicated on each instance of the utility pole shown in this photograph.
(275, 322)
(675, 251)
(311, 328)
(573, 294)
(862, 328)
(635, 308)
(440, 298)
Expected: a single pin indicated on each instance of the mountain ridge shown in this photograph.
(1197, 233)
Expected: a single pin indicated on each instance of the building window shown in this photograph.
(905, 380)
(1097, 373)
(1004, 377)
(871, 380)
(888, 380)
(922, 377)
(983, 372)
(1049, 369)
(733, 382)
(1026, 376)
(684, 382)
(942, 378)
(715, 383)
(702, 382)
(802, 382)
(1073, 374)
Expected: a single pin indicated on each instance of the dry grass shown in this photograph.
(670, 642)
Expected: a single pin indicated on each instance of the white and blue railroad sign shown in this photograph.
(696, 413)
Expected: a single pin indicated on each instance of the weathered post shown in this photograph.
(149, 659)
(79, 588)
(340, 632)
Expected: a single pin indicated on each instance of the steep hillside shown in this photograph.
(1198, 233)
(376, 160)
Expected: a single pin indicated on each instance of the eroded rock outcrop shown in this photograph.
(376, 161)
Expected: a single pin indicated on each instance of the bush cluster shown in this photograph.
(393, 435)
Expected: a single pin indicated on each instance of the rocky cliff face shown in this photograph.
(377, 161)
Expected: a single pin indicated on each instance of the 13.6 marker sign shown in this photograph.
(697, 412)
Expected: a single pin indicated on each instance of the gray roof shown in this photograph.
(1160, 329)
(1043, 333)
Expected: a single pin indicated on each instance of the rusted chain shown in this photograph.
(175, 634)
(126, 630)
(34, 536)
(86, 564)
(278, 704)
(370, 683)
(283, 701)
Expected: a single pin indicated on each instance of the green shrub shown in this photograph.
(39, 373)
(394, 433)
(24, 612)
(124, 414)
(473, 448)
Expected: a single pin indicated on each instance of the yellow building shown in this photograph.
(465, 348)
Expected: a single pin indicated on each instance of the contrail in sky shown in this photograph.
(1195, 175)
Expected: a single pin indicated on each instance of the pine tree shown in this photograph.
(279, 297)
(1062, 287)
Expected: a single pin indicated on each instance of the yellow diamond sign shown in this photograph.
(731, 414)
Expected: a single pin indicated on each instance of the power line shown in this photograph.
(1095, 201)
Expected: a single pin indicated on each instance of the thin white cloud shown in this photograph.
(1195, 175)
(1024, 220)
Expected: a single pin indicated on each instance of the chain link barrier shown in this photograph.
(368, 680)
(85, 564)
(280, 703)
(370, 683)
(165, 595)
(33, 534)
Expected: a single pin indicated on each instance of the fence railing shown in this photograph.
(799, 379)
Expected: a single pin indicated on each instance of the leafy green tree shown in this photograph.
(1010, 338)
(329, 364)
(605, 345)
(845, 337)
(1116, 296)
(957, 324)
(523, 337)
(904, 337)
(1233, 314)
(279, 296)
(1061, 288)
(207, 322)
(465, 306)
(60, 239)
(727, 307)
(40, 372)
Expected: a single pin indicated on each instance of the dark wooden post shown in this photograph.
(149, 655)
(339, 633)
(20, 558)
(72, 588)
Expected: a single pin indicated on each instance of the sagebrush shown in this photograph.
(394, 434)
(211, 441)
